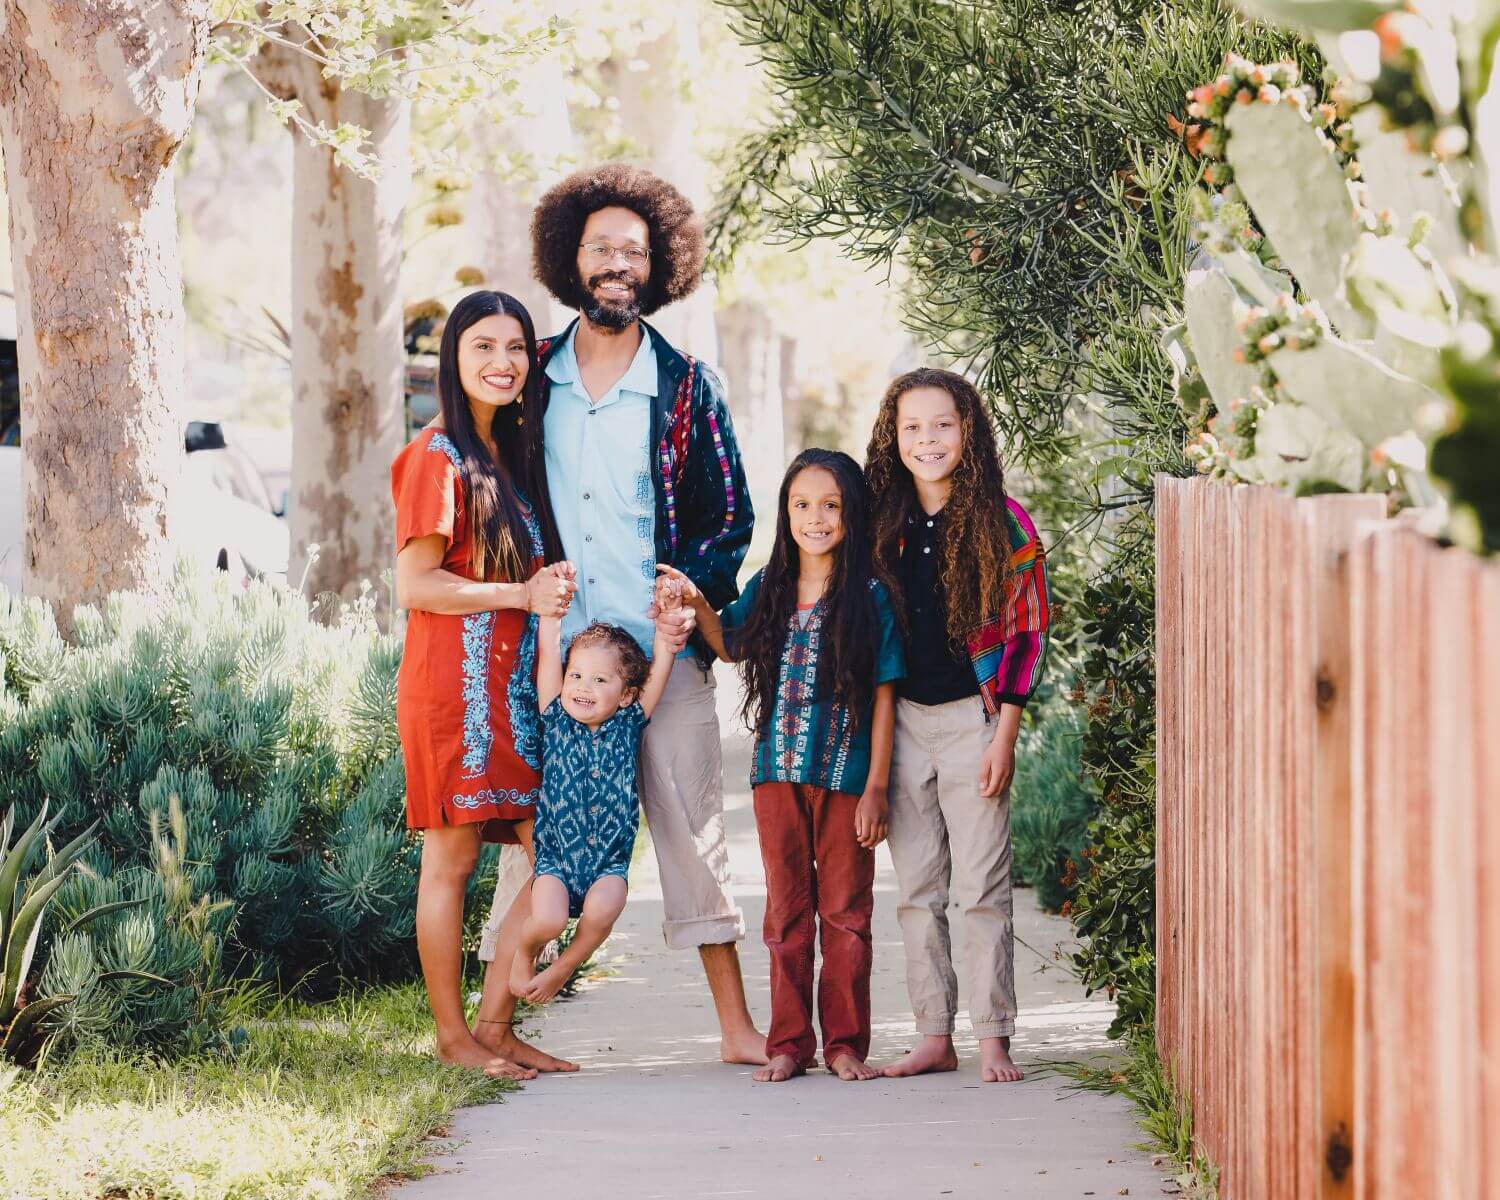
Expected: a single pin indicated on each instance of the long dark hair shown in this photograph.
(846, 669)
(501, 543)
(976, 549)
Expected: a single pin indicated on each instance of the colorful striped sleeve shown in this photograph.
(1010, 651)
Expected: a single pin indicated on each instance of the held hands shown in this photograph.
(670, 607)
(872, 817)
(549, 592)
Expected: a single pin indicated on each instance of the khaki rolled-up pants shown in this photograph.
(949, 842)
(681, 778)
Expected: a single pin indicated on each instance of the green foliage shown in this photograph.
(1115, 909)
(323, 1102)
(242, 764)
(1050, 806)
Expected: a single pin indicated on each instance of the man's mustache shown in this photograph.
(629, 281)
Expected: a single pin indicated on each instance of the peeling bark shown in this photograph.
(348, 363)
(95, 100)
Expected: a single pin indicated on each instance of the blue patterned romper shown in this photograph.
(588, 812)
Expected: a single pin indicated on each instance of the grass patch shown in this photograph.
(319, 1103)
(1166, 1118)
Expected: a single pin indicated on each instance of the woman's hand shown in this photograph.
(671, 574)
(872, 817)
(997, 766)
(549, 592)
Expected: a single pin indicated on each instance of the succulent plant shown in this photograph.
(1344, 332)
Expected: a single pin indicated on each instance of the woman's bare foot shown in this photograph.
(500, 1039)
(780, 1069)
(471, 1053)
(850, 1069)
(746, 1047)
(546, 984)
(995, 1065)
(932, 1054)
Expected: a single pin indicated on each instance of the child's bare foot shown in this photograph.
(546, 984)
(501, 1040)
(522, 972)
(471, 1053)
(995, 1065)
(780, 1069)
(850, 1069)
(746, 1047)
(932, 1054)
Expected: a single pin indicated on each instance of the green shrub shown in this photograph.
(276, 737)
(1050, 806)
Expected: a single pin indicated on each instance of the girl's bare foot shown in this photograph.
(780, 1069)
(522, 972)
(995, 1065)
(932, 1054)
(546, 984)
(500, 1039)
(469, 1052)
(746, 1047)
(850, 1069)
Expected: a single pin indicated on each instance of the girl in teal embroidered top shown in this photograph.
(595, 705)
(817, 641)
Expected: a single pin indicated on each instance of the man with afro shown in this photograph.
(643, 467)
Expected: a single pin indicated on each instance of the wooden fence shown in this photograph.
(1328, 846)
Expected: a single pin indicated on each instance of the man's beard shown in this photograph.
(613, 314)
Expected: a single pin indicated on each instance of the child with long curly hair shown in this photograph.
(817, 642)
(966, 568)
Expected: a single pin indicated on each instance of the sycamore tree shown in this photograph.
(1026, 169)
(352, 80)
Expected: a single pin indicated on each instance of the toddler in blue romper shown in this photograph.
(595, 706)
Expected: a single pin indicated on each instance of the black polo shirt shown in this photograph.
(937, 670)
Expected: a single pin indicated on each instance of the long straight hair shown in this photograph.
(846, 668)
(493, 488)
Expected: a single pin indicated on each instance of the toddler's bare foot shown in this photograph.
(471, 1053)
(995, 1065)
(522, 971)
(932, 1054)
(780, 1069)
(500, 1039)
(546, 984)
(850, 1069)
(746, 1047)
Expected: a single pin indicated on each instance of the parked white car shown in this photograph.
(224, 517)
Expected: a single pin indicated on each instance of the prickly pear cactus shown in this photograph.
(1343, 313)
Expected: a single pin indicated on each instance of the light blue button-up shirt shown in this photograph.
(603, 498)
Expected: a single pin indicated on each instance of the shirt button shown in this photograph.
(929, 524)
(925, 550)
(588, 537)
(591, 579)
(585, 495)
(591, 839)
(595, 774)
(594, 810)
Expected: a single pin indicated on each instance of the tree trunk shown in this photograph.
(348, 361)
(94, 102)
(657, 115)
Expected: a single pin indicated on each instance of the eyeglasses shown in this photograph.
(636, 256)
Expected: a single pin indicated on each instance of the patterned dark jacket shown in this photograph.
(703, 514)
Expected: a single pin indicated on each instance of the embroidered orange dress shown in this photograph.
(466, 694)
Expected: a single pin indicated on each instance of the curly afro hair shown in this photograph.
(634, 666)
(677, 245)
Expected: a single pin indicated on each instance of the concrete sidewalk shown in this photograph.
(654, 1113)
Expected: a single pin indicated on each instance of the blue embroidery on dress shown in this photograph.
(479, 630)
(443, 445)
(487, 796)
(520, 692)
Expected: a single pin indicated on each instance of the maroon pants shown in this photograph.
(816, 872)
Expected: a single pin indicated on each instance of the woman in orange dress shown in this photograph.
(473, 529)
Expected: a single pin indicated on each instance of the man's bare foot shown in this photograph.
(932, 1054)
(546, 984)
(850, 1069)
(995, 1065)
(471, 1053)
(746, 1047)
(501, 1040)
(780, 1069)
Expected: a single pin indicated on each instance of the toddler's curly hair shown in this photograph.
(634, 666)
(677, 245)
